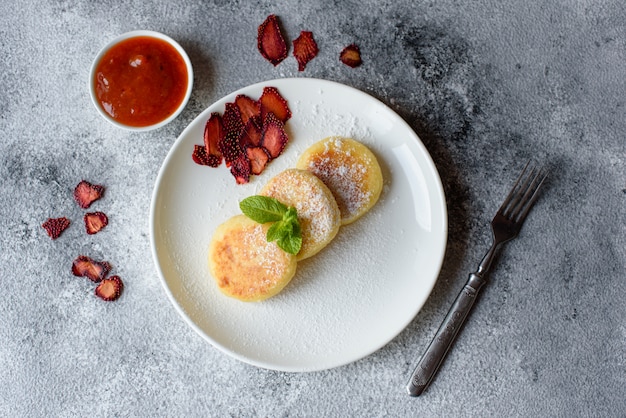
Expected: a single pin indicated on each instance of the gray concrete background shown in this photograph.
(485, 84)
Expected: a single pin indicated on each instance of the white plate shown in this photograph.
(347, 301)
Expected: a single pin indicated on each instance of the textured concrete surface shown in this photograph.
(485, 84)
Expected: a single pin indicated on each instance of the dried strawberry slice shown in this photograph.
(258, 157)
(240, 169)
(86, 193)
(251, 133)
(229, 146)
(248, 107)
(272, 101)
(270, 41)
(274, 135)
(351, 56)
(84, 266)
(232, 118)
(304, 49)
(55, 226)
(95, 221)
(110, 289)
(199, 155)
(213, 134)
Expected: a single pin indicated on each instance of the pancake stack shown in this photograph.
(336, 181)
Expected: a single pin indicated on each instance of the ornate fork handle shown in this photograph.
(449, 328)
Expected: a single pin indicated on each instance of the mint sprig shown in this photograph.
(285, 229)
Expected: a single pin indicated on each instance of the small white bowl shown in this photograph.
(123, 37)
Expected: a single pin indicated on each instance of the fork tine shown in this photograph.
(529, 197)
(521, 197)
(511, 197)
(521, 194)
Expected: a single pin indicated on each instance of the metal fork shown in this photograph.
(505, 226)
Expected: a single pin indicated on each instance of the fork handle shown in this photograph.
(438, 348)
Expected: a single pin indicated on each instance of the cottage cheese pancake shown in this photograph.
(244, 265)
(351, 172)
(318, 213)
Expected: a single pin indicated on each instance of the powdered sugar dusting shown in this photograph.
(266, 255)
(345, 174)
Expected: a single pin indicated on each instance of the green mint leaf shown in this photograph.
(277, 231)
(291, 215)
(291, 241)
(263, 209)
(294, 225)
(290, 244)
(285, 229)
(287, 235)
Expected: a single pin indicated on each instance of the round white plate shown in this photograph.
(347, 301)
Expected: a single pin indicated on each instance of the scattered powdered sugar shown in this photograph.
(321, 120)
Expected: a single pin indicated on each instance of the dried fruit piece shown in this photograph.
(251, 133)
(272, 101)
(258, 157)
(199, 155)
(55, 226)
(248, 108)
(351, 56)
(229, 146)
(270, 41)
(274, 136)
(86, 193)
(110, 289)
(95, 221)
(240, 169)
(84, 266)
(213, 134)
(232, 118)
(304, 49)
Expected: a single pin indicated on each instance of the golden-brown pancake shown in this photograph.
(351, 172)
(318, 213)
(244, 265)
